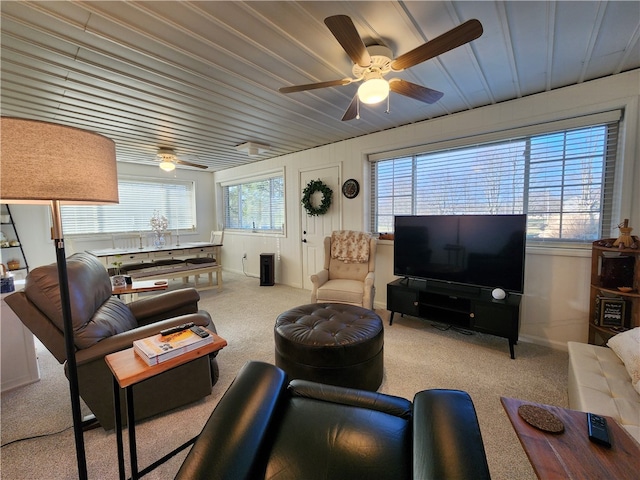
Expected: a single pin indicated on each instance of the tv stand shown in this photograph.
(469, 308)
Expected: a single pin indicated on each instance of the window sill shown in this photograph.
(261, 233)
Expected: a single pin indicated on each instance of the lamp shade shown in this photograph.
(41, 162)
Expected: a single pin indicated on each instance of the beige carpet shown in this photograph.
(417, 356)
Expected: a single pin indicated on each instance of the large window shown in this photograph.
(562, 179)
(139, 199)
(256, 205)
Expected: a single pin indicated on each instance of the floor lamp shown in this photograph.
(45, 163)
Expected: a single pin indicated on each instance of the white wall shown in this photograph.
(556, 300)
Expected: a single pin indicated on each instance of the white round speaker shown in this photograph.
(498, 293)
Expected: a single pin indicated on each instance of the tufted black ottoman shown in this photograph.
(331, 343)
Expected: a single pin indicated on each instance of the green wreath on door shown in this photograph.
(312, 187)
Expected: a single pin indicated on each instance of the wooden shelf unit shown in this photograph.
(598, 334)
(12, 252)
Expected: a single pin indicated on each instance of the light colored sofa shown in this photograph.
(600, 383)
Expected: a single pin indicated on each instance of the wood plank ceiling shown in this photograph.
(203, 77)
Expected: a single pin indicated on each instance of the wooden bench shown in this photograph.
(183, 271)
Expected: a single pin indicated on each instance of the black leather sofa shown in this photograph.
(266, 427)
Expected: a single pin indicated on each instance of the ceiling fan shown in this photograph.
(168, 160)
(372, 63)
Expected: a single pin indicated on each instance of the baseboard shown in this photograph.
(545, 342)
(240, 272)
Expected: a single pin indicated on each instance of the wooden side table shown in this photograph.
(571, 454)
(129, 369)
(139, 286)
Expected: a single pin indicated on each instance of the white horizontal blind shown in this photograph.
(570, 174)
(562, 179)
(601, 118)
(256, 205)
(139, 199)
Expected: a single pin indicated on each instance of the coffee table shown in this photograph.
(570, 454)
(129, 369)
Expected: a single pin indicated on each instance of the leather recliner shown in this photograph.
(103, 324)
(266, 427)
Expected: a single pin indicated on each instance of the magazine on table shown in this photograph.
(160, 348)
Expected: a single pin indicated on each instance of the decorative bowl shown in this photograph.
(13, 264)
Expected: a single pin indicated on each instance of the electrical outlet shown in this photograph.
(244, 255)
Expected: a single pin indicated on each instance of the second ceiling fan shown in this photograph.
(372, 63)
(169, 160)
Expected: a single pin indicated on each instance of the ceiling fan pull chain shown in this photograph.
(388, 105)
(357, 107)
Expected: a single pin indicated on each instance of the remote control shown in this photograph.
(179, 328)
(598, 432)
(199, 331)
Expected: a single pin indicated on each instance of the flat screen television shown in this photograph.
(479, 250)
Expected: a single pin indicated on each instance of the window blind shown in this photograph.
(139, 199)
(563, 179)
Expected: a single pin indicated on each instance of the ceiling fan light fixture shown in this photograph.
(167, 165)
(167, 159)
(373, 91)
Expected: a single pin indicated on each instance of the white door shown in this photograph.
(315, 228)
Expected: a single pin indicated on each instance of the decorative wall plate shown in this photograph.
(351, 188)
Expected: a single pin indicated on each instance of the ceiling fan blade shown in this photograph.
(189, 164)
(345, 32)
(313, 86)
(352, 109)
(417, 92)
(469, 30)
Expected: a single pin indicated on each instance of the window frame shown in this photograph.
(251, 179)
(610, 182)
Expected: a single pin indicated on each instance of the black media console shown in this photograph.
(467, 307)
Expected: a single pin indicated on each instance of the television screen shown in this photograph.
(482, 250)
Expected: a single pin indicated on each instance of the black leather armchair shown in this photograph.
(265, 427)
(104, 324)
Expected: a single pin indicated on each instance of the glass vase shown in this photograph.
(158, 240)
